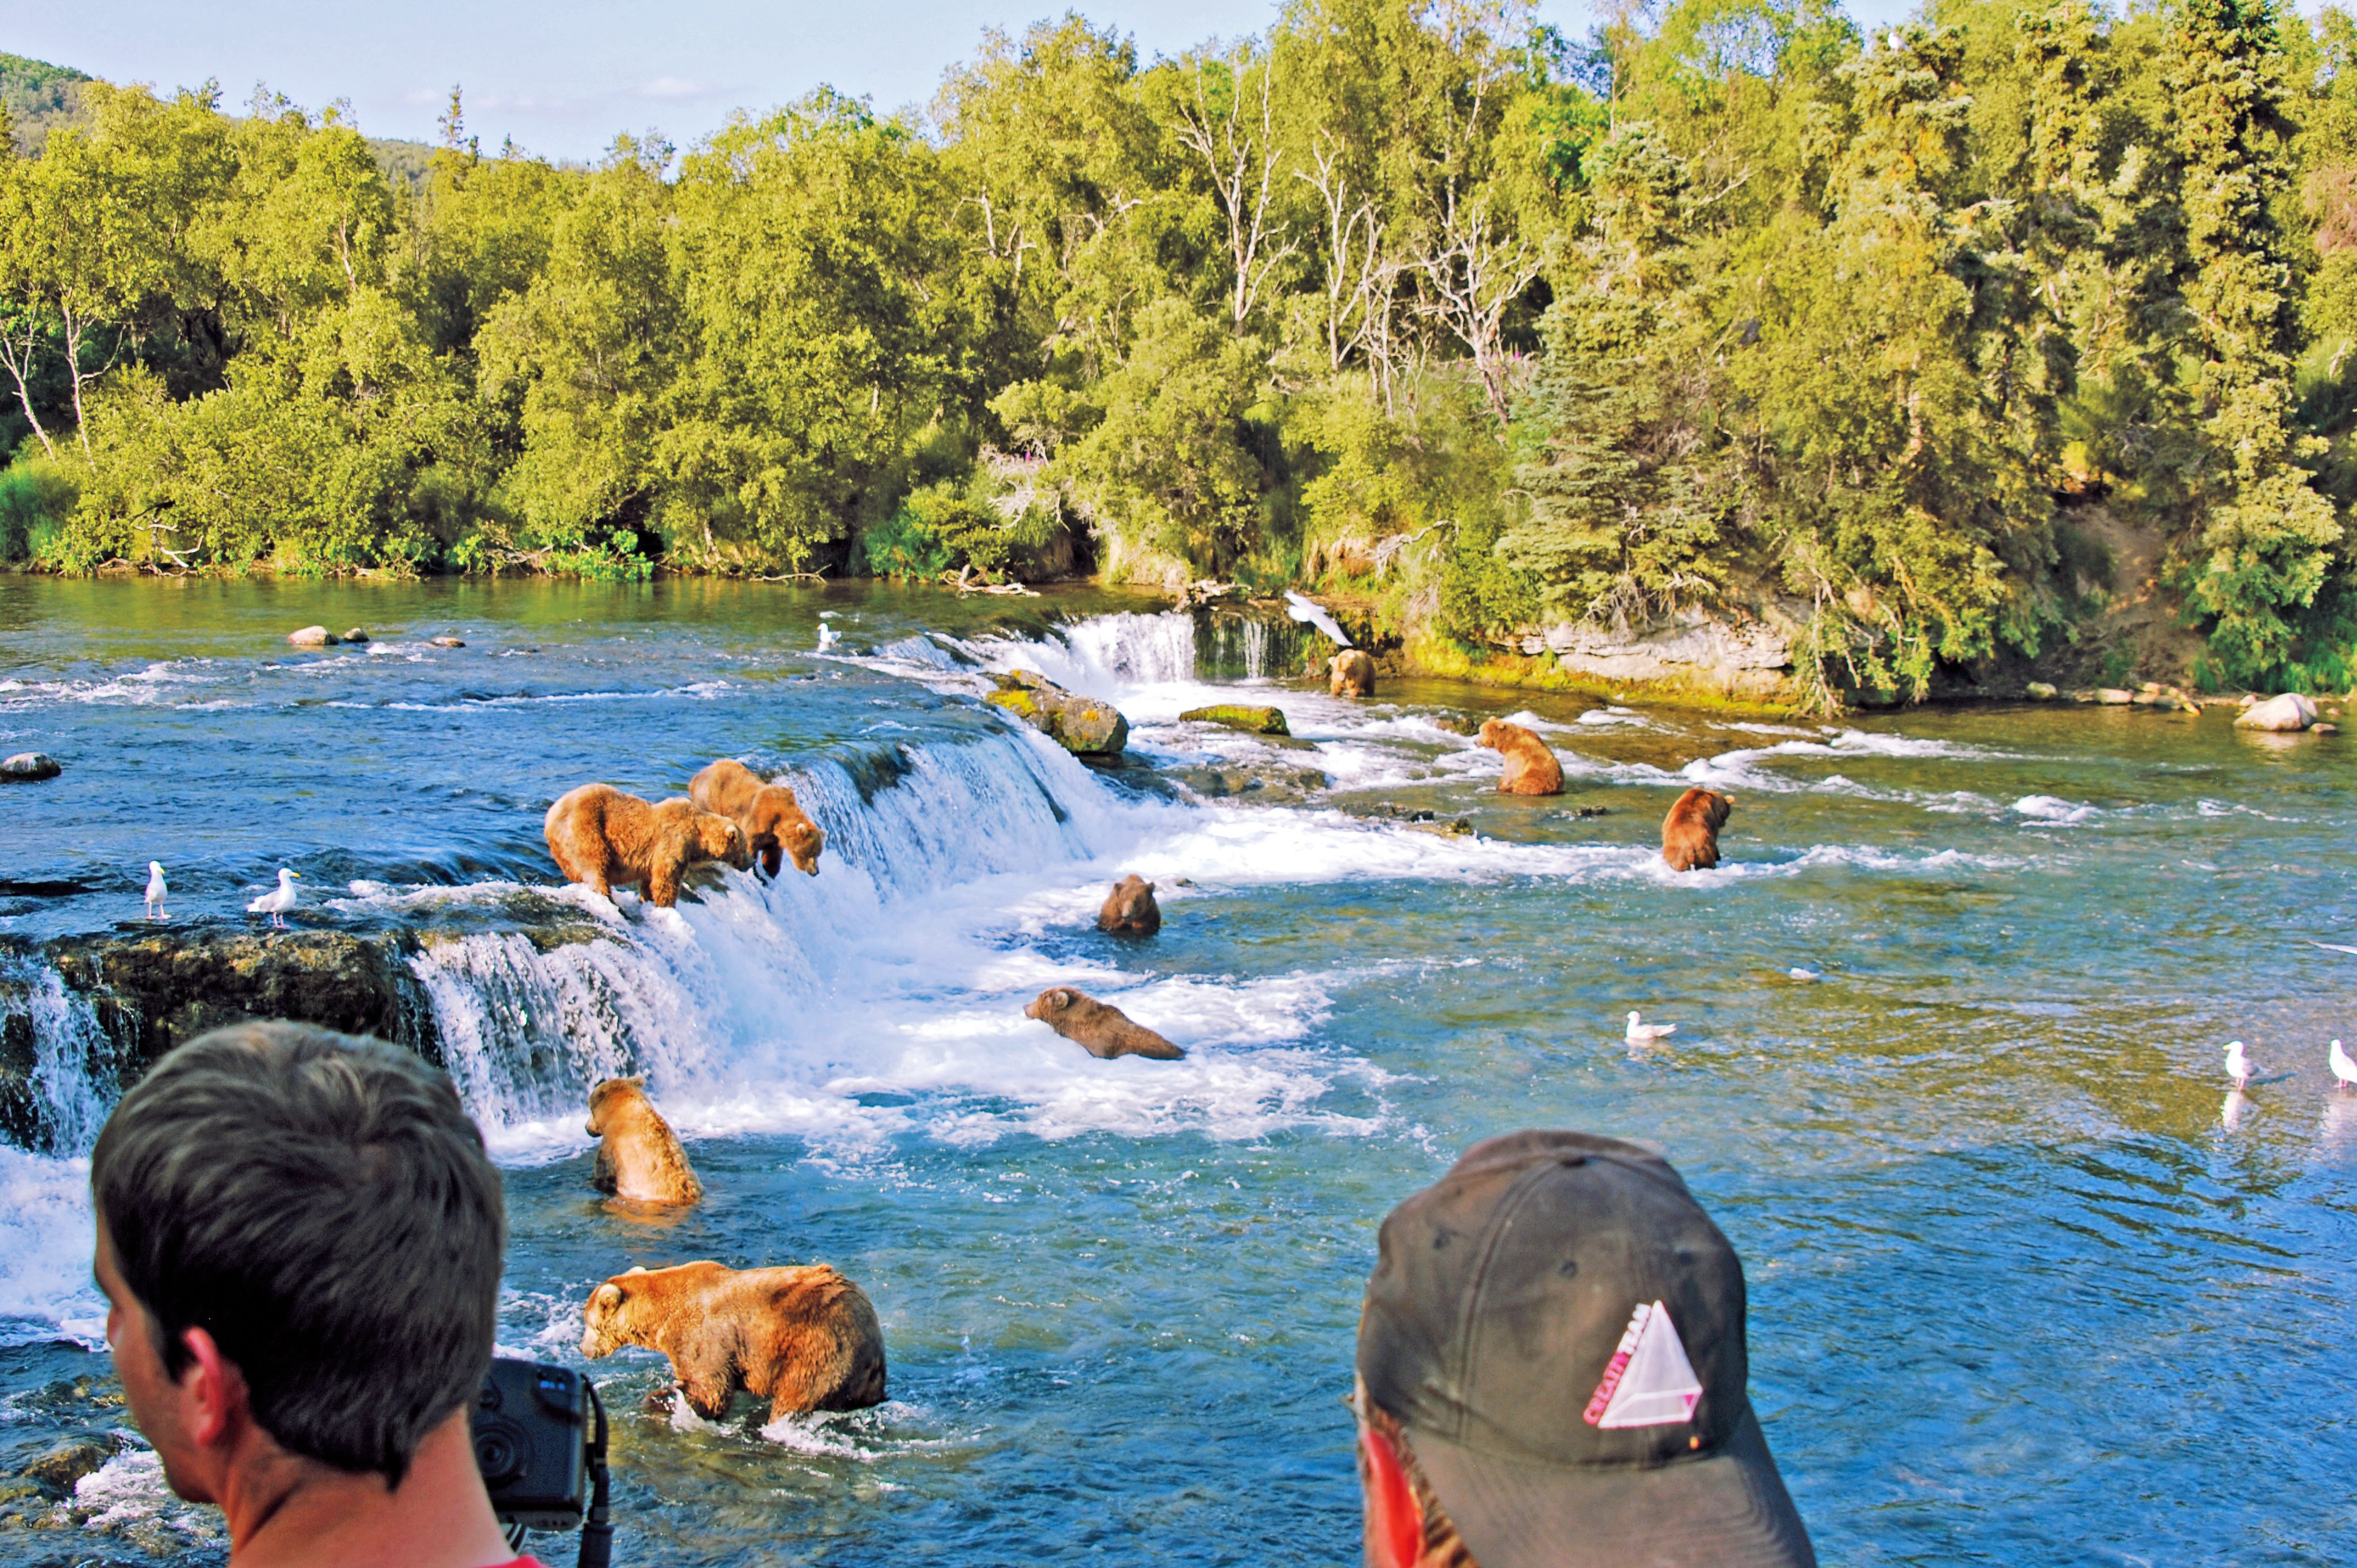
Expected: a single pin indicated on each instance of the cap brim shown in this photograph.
(1728, 1510)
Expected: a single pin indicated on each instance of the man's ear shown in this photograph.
(215, 1390)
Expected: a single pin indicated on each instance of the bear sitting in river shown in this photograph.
(773, 820)
(639, 1159)
(1531, 766)
(1690, 832)
(1130, 909)
(602, 837)
(804, 1338)
(1099, 1028)
(1350, 673)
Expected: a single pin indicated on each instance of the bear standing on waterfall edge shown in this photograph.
(1531, 766)
(639, 1159)
(1130, 909)
(804, 1338)
(774, 823)
(1690, 832)
(601, 837)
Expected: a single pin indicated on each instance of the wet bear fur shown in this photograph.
(1531, 765)
(602, 837)
(804, 1338)
(775, 823)
(1690, 832)
(1350, 673)
(1100, 1029)
(638, 1157)
(1130, 909)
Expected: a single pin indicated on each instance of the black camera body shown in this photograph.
(533, 1433)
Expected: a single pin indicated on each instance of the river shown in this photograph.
(2026, 1285)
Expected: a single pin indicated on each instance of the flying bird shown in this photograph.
(155, 889)
(2238, 1065)
(1644, 1034)
(277, 903)
(1303, 610)
(2342, 1068)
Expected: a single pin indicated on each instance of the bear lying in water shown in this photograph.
(774, 823)
(1531, 766)
(1100, 1029)
(1130, 909)
(602, 837)
(638, 1158)
(1690, 832)
(804, 1338)
(1350, 673)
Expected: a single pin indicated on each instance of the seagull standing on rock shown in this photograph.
(155, 889)
(2238, 1065)
(275, 904)
(2342, 1068)
(1644, 1034)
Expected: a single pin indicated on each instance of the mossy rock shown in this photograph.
(1244, 716)
(1082, 725)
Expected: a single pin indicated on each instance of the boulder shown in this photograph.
(57, 1472)
(314, 636)
(2290, 711)
(2039, 692)
(449, 642)
(1082, 725)
(355, 634)
(1244, 716)
(28, 767)
(1271, 782)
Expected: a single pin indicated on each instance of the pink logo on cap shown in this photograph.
(1648, 1381)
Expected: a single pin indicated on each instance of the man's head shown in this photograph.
(304, 1224)
(1552, 1351)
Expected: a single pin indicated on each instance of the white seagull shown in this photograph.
(826, 637)
(1804, 974)
(1644, 1034)
(275, 904)
(2238, 1065)
(1303, 610)
(155, 889)
(2342, 1068)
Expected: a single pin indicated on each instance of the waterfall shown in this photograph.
(1256, 649)
(1103, 654)
(57, 1105)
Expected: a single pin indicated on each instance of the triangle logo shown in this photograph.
(1648, 1381)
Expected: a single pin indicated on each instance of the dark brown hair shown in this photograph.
(322, 1207)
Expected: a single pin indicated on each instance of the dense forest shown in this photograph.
(1729, 309)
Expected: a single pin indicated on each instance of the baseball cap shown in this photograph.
(1559, 1327)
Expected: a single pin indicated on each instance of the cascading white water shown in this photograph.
(1256, 649)
(1104, 654)
(72, 1083)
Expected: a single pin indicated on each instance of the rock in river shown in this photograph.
(1082, 725)
(314, 636)
(2288, 712)
(29, 767)
(1245, 716)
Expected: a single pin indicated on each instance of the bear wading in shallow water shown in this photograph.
(1098, 1029)
(1531, 765)
(804, 1338)
(1350, 673)
(1130, 909)
(603, 838)
(639, 1159)
(1690, 832)
(774, 823)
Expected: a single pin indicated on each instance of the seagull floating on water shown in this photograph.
(826, 637)
(2342, 1068)
(2238, 1065)
(275, 904)
(155, 889)
(1644, 1034)
(1303, 610)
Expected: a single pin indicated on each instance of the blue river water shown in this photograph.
(2028, 1285)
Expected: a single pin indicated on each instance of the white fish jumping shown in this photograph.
(1303, 610)
(275, 903)
(2342, 1068)
(155, 889)
(2238, 1064)
(1644, 1034)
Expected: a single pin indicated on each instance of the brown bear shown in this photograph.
(640, 1158)
(1130, 909)
(804, 1338)
(601, 836)
(1531, 766)
(774, 823)
(1350, 673)
(1690, 832)
(1102, 1030)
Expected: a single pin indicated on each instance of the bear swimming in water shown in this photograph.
(1690, 832)
(804, 1338)
(638, 1158)
(774, 823)
(1350, 673)
(1130, 909)
(1531, 766)
(599, 836)
(1100, 1029)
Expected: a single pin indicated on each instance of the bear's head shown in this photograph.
(716, 838)
(1494, 732)
(609, 1096)
(1052, 1003)
(1132, 899)
(607, 1319)
(1717, 808)
(782, 828)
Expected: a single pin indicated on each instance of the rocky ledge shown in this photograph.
(1084, 727)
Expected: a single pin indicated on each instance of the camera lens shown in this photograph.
(498, 1455)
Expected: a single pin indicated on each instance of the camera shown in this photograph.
(540, 1442)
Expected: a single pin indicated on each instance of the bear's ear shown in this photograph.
(1149, 887)
(606, 1296)
(636, 1269)
(636, 1080)
(1061, 998)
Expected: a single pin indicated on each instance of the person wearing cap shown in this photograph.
(1551, 1373)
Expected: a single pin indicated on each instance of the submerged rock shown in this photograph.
(314, 636)
(355, 634)
(1256, 780)
(56, 1473)
(1245, 716)
(449, 642)
(28, 767)
(2290, 711)
(1082, 725)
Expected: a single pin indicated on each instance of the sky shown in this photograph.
(562, 77)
